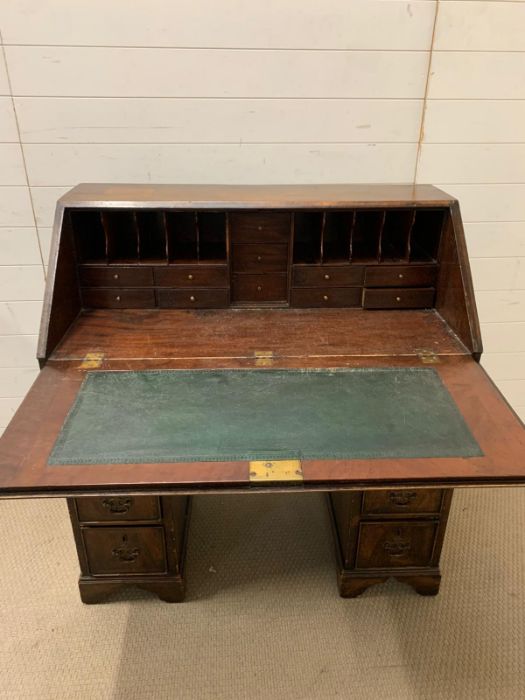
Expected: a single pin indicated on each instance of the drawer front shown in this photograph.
(260, 227)
(398, 298)
(395, 544)
(402, 501)
(401, 276)
(192, 276)
(257, 288)
(328, 276)
(193, 298)
(115, 276)
(329, 297)
(108, 508)
(262, 257)
(124, 550)
(118, 298)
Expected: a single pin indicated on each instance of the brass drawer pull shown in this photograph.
(117, 298)
(115, 276)
(398, 546)
(259, 288)
(401, 498)
(327, 277)
(325, 297)
(398, 298)
(119, 504)
(190, 277)
(192, 298)
(126, 553)
(259, 258)
(400, 275)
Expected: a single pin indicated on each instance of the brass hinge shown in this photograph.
(428, 357)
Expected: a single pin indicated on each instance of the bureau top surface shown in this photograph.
(252, 196)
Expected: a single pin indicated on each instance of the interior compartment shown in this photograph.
(396, 233)
(212, 236)
(89, 236)
(308, 227)
(122, 236)
(426, 234)
(336, 236)
(366, 234)
(183, 236)
(152, 236)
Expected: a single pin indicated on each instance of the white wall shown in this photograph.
(280, 91)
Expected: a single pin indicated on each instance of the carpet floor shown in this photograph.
(263, 618)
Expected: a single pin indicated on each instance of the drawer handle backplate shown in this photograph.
(401, 498)
(119, 504)
(126, 553)
(398, 546)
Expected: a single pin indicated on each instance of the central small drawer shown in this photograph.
(193, 298)
(260, 257)
(192, 276)
(115, 276)
(395, 544)
(255, 288)
(112, 508)
(124, 550)
(260, 227)
(328, 275)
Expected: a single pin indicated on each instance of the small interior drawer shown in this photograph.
(395, 544)
(191, 276)
(260, 257)
(328, 296)
(193, 298)
(406, 298)
(328, 275)
(124, 550)
(401, 276)
(98, 298)
(402, 501)
(265, 288)
(115, 276)
(112, 508)
(260, 227)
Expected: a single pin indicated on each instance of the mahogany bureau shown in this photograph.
(208, 339)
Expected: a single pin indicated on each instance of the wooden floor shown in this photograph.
(245, 333)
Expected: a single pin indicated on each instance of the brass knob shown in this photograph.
(327, 277)
(190, 277)
(192, 298)
(117, 298)
(325, 298)
(400, 275)
(115, 276)
(259, 258)
(398, 298)
(259, 228)
(259, 288)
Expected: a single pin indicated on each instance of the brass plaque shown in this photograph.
(276, 470)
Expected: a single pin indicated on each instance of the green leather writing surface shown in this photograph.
(214, 415)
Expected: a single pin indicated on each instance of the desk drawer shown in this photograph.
(395, 544)
(118, 298)
(328, 275)
(329, 297)
(402, 501)
(260, 257)
(193, 298)
(258, 288)
(124, 550)
(260, 227)
(192, 276)
(401, 276)
(410, 298)
(110, 508)
(114, 276)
